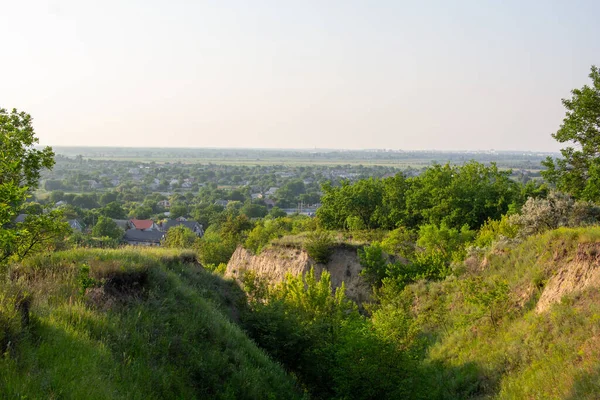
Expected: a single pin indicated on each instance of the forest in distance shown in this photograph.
(191, 273)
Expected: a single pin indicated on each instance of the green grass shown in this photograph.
(152, 325)
(526, 355)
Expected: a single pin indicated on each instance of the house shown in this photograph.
(271, 191)
(143, 238)
(164, 204)
(143, 225)
(61, 203)
(96, 185)
(21, 218)
(192, 225)
(75, 225)
(256, 196)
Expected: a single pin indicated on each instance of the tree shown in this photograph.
(277, 212)
(253, 210)
(106, 227)
(113, 210)
(178, 210)
(20, 167)
(578, 172)
(180, 237)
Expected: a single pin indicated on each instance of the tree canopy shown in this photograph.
(578, 172)
(444, 194)
(20, 166)
(106, 227)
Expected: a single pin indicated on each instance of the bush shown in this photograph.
(374, 262)
(264, 232)
(558, 209)
(449, 242)
(493, 230)
(180, 237)
(400, 242)
(319, 245)
(212, 249)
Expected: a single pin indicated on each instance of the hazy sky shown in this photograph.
(329, 74)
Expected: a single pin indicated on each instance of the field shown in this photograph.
(262, 157)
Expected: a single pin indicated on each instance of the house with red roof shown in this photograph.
(143, 225)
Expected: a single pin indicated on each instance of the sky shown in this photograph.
(411, 75)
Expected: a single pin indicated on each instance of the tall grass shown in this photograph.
(149, 326)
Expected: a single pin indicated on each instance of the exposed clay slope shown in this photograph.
(574, 276)
(275, 263)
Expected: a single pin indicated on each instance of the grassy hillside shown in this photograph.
(130, 324)
(486, 335)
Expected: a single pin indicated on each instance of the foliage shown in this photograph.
(578, 172)
(113, 210)
(21, 164)
(432, 265)
(319, 246)
(217, 269)
(358, 201)
(450, 195)
(106, 227)
(84, 279)
(320, 336)
(180, 237)
(558, 209)
(277, 212)
(449, 242)
(374, 262)
(400, 242)
(264, 232)
(491, 298)
(82, 240)
(153, 327)
(494, 230)
(254, 210)
(214, 249)
(178, 210)
(354, 223)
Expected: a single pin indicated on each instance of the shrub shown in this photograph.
(319, 245)
(84, 279)
(354, 223)
(449, 242)
(400, 242)
(491, 298)
(179, 237)
(493, 230)
(558, 209)
(212, 249)
(374, 262)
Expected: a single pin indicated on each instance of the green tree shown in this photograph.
(180, 237)
(253, 210)
(374, 262)
(277, 212)
(141, 212)
(113, 210)
(108, 197)
(106, 227)
(20, 167)
(578, 172)
(178, 210)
